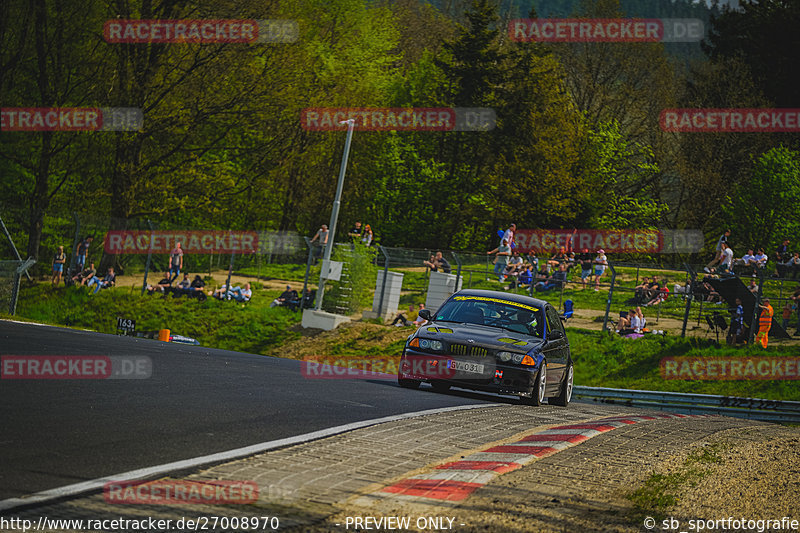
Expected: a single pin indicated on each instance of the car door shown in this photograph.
(556, 349)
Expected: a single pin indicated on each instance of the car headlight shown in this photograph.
(504, 356)
(436, 345)
(517, 357)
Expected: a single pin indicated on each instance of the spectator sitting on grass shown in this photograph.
(190, 289)
(163, 286)
(239, 294)
(748, 262)
(437, 263)
(197, 287)
(220, 293)
(402, 318)
(727, 260)
(718, 251)
(663, 294)
(89, 276)
(781, 258)
(419, 321)
(761, 258)
(559, 257)
(557, 279)
(753, 287)
(106, 283)
(640, 290)
(525, 278)
(285, 298)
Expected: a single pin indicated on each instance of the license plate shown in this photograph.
(474, 368)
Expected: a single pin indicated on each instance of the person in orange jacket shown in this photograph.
(764, 323)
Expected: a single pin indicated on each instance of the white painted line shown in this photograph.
(519, 458)
(144, 473)
(481, 477)
(555, 444)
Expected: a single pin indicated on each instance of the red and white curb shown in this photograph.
(455, 481)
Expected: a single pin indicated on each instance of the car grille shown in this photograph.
(464, 349)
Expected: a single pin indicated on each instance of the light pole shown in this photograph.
(335, 212)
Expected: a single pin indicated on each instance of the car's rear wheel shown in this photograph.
(408, 383)
(538, 388)
(565, 396)
(440, 386)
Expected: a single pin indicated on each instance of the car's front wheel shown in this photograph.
(565, 396)
(408, 383)
(538, 387)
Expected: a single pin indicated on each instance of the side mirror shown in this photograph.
(425, 314)
(555, 335)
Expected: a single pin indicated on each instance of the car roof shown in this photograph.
(510, 296)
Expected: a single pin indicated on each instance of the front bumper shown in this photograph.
(497, 376)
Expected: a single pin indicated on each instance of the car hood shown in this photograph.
(490, 337)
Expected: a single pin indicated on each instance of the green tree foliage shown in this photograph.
(625, 172)
(765, 209)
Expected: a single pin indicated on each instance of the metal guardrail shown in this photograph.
(752, 408)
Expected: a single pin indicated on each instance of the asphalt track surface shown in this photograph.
(198, 401)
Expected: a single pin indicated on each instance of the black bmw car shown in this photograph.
(495, 342)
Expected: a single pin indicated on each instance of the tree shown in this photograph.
(765, 209)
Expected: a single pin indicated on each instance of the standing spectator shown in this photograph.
(366, 238)
(737, 323)
(322, 237)
(794, 265)
(764, 323)
(355, 233)
(503, 253)
(600, 264)
(508, 235)
(58, 265)
(175, 261)
(787, 314)
(81, 251)
(795, 297)
(585, 261)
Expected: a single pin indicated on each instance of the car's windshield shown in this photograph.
(495, 312)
